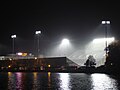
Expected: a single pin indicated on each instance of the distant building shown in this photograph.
(52, 63)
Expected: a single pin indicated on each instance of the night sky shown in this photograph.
(56, 19)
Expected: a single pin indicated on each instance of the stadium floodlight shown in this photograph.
(99, 40)
(38, 35)
(105, 22)
(13, 43)
(38, 32)
(13, 36)
(65, 41)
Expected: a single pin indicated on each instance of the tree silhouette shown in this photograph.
(90, 62)
(113, 58)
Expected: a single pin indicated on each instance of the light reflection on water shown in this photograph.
(103, 82)
(11, 80)
(65, 81)
(57, 81)
(35, 80)
(49, 79)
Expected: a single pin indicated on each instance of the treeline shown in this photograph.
(112, 63)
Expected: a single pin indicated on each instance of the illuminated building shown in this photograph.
(39, 64)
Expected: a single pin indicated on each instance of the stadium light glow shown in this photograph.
(99, 40)
(13, 36)
(97, 48)
(108, 22)
(105, 22)
(65, 42)
(38, 32)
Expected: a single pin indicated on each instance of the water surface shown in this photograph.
(57, 81)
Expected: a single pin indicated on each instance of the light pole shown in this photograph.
(13, 43)
(106, 23)
(38, 47)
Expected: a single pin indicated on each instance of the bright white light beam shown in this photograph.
(65, 42)
(13, 36)
(105, 22)
(38, 32)
(99, 40)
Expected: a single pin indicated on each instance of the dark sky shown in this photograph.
(56, 19)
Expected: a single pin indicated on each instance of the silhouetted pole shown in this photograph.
(13, 43)
(38, 43)
(106, 32)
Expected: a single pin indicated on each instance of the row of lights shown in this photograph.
(105, 22)
(14, 36)
(64, 41)
(37, 33)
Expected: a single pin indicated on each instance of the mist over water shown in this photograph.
(80, 54)
(79, 50)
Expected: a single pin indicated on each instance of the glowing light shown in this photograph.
(13, 36)
(38, 32)
(99, 40)
(64, 47)
(97, 49)
(35, 57)
(65, 42)
(9, 66)
(105, 22)
(20, 54)
(108, 22)
(111, 64)
(49, 65)
(24, 54)
(10, 59)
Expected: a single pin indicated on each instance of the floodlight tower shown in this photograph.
(13, 43)
(38, 35)
(106, 23)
